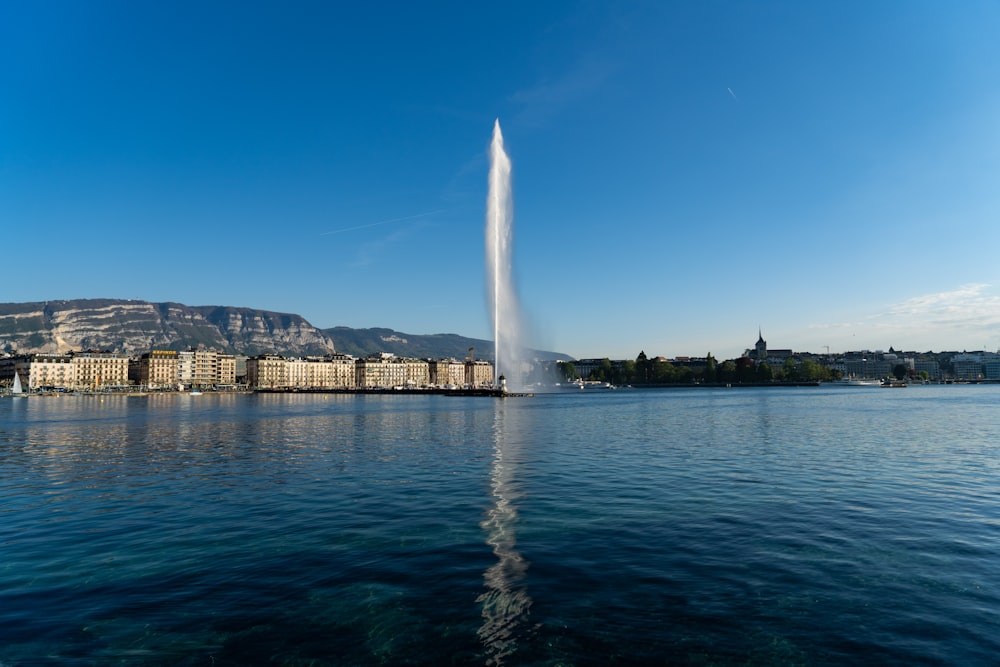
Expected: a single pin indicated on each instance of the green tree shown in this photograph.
(764, 372)
(726, 371)
(643, 369)
(899, 371)
(745, 372)
(708, 374)
(568, 370)
(790, 370)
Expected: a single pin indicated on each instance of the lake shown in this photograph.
(814, 526)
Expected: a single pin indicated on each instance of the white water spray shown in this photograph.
(508, 357)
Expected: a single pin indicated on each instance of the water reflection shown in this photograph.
(505, 603)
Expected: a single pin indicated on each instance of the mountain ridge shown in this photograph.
(135, 326)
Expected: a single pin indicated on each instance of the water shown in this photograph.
(505, 311)
(806, 526)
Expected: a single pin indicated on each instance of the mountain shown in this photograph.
(139, 326)
(362, 342)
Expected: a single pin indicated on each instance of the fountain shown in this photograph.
(508, 350)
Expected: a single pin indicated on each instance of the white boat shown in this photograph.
(856, 382)
(16, 389)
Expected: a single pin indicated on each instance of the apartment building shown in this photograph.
(40, 370)
(100, 369)
(156, 369)
(226, 370)
(478, 373)
(386, 370)
(267, 371)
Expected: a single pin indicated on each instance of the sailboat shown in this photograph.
(17, 390)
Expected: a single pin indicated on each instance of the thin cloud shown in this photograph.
(381, 222)
(969, 305)
(733, 94)
(548, 98)
(965, 317)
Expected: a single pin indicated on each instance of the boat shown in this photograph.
(17, 391)
(856, 382)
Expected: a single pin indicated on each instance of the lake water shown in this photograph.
(816, 526)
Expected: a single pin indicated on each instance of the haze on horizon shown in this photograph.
(684, 173)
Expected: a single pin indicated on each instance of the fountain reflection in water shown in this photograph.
(509, 357)
(505, 602)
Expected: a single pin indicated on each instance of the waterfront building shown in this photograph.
(342, 371)
(157, 369)
(967, 366)
(267, 371)
(185, 367)
(226, 369)
(437, 370)
(386, 370)
(991, 366)
(37, 371)
(100, 369)
(446, 372)
(478, 373)
(205, 370)
(932, 368)
(976, 366)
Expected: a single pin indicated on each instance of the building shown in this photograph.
(931, 367)
(100, 369)
(185, 367)
(158, 369)
(386, 370)
(446, 372)
(226, 370)
(479, 373)
(40, 371)
(267, 371)
(205, 369)
(967, 366)
(342, 370)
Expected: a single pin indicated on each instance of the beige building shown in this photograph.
(100, 369)
(342, 370)
(226, 369)
(309, 373)
(386, 370)
(266, 371)
(158, 369)
(205, 370)
(39, 371)
(479, 373)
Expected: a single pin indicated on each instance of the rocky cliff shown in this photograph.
(139, 326)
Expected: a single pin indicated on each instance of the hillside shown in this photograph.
(139, 326)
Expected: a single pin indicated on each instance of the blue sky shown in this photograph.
(684, 172)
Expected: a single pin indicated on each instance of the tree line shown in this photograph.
(646, 371)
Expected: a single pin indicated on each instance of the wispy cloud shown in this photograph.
(969, 305)
(967, 317)
(381, 222)
(548, 98)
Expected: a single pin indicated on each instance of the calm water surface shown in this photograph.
(806, 526)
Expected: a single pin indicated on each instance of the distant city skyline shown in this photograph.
(683, 173)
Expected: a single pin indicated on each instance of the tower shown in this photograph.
(760, 347)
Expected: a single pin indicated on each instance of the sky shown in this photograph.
(685, 174)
